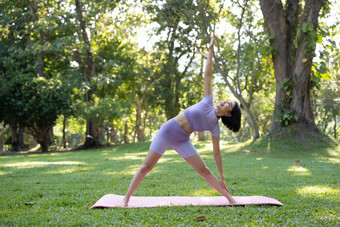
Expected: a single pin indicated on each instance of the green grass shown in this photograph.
(62, 186)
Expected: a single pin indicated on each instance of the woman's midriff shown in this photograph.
(182, 120)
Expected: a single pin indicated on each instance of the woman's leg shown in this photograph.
(198, 164)
(148, 164)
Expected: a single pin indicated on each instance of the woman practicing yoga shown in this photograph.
(176, 134)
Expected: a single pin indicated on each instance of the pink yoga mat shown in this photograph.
(112, 200)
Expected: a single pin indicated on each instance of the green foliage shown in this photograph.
(180, 21)
(59, 188)
(35, 102)
(286, 116)
(165, 79)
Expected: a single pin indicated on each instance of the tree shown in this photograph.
(246, 69)
(293, 36)
(178, 46)
(241, 57)
(33, 93)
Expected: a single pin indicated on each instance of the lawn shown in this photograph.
(57, 189)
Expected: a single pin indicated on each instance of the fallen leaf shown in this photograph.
(201, 218)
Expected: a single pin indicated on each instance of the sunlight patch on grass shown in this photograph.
(330, 160)
(128, 157)
(207, 156)
(132, 169)
(259, 159)
(169, 152)
(331, 216)
(4, 173)
(165, 159)
(204, 192)
(203, 151)
(68, 170)
(39, 164)
(265, 167)
(299, 171)
(114, 173)
(132, 157)
(318, 191)
(334, 152)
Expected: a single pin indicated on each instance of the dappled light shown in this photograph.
(166, 159)
(204, 192)
(40, 164)
(131, 170)
(72, 169)
(129, 157)
(334, 160)
(318, 191)
(2, 173)
(299, 171)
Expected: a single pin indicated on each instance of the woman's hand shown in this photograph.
(125, 202)
(212, 41)
(224, 185)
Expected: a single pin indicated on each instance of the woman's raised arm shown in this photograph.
(208, 69)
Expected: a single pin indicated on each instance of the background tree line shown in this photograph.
(83, 72)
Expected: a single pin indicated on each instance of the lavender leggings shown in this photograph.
(171, 134)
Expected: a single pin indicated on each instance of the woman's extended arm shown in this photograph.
(208, 69)
(218, 160)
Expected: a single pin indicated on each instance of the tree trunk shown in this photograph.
(334, 127)
(17, 137)
(112, 132)
(201, 136)
(64, 132)
(44, 141)
(92, 137)
(252, 123)
(126, 133)
(1, 141)
(43, 137)
(292, 38)
(140, 124)
(142, 134)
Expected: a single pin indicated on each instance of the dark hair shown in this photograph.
(234, 121)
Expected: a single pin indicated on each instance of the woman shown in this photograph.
(176, 134)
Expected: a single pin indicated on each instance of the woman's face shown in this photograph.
(226, 107)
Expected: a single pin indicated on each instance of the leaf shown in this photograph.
(319, 37)
(307, 27)
(200, 218)
(304, 60)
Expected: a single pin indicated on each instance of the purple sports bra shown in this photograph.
(202, 116)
